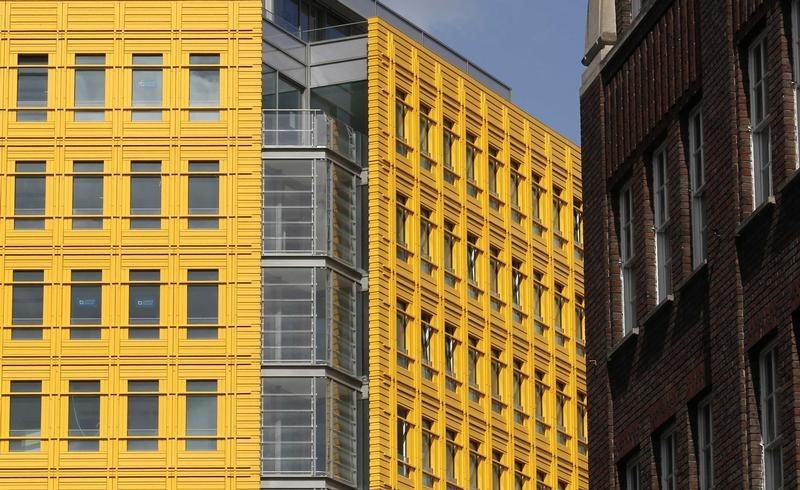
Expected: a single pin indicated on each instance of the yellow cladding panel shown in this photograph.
(132, 141)
(475, 282)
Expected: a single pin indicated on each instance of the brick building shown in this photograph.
(689, 136)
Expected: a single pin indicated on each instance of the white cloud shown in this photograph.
(429, 14)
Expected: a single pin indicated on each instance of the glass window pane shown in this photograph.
(29, 195)
(90, 59)
(145, 195)
(143, 333)
(197, 333)
(85, 305)
(32, 87)
(144, 275)
(87, 195)
(85, 334)
(204, 195)
(204, 59)
(204, 87)
(84, 416)
(26, 334)
(143, 415)
(144, 307)
(201, 385)
(26, 305)
(202, 303)
(90, 88)
(147, 88)
(203, 275)
(25, 416)
(147, 59)
(201, 415)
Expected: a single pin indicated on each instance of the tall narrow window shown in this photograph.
(29, 195)
(494, 173)
(86, 304)
(537, 205)
(90, 87)
(514, 186)
(451, 456)
(201, 415)
(204, 87)
(144, 304)
(497, 470)
(450, 347)
(759, 121)
(426, 336)
(626, 259)
(540, 399)
(402, 321)
(87, 195)
(402, 212)
(661, 225)
(541, 481)
(580, 326)
(142, 415)
(27, 304)
(497, 382)
(474, 356)
(32, 87)
(84, 416)
(562, 401)
(450, 241)
(401, 110)
(582, 424)
(705, 445)
(448, 150)
(520, 480)
(203, 195)
(403, 430)
(636, 7)
(473, 253)
(474, 465)
(771, 440)
(427, 451)
(631, 470)
(145, 195)
(517, 278)
(796, 74)
(559, 305)
(472, 154)
(519, 392)
(147, 87)
(697, 181)
(577, 228)
(425, 232)
(666, 464)
(202, 303)
(539, 295)
(425, 125)
(495, 272)
(25, 416)
(559, 205)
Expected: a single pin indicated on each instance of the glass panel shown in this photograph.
(203, 275)
(26, 305)
(90, 88)
(202, 303)
(196, 333)
(143, 415)
(204, 87)
(87, 195)
(26, 334)
(144, 306)
(32, 87)
(25, 420)
(289, 205)
(85, 334)
(147, 59)
(204, 59)
(145, 195)
(201, 420)
(84, 416)
(288, 435)
(85, 305)
(147, 88)
(143, 333)
(288, 309)
(204, 195)
(29, 196)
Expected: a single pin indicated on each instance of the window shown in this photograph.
(427, 450)
(27, 304)
(497, 380)
(661, 225)
(520, 480)
(558, 217)
(636, 7)
(86, 304)
(541, 481)
(204, 87)
(495, 271)
(759, 122)
(450, 143)
(145, 195)
(203, 195)
(474, 356)
(580, 326)
(29, 195)
(450, 347)
(795, 48)
(84, 416)
(577, 228)
(402, 213)
(450, 241)
(497, 470)
(494, 171)
(425, 228)
(474, 465)
(31, 87)
(666, 462)
(697, 182)
(517, 278)
(401, 109)
(147, 87)
(201, 415)
(582, 424)
(771, 441)
(425, 125)
(559, 305)
(142, 415)
(472, 153)
(705, 443)
(202, 302)
(90, 87)
(402, 321)
(25, 416)
(519, 392)
(451, 456)
(87, 195)
(144, 304)
(562, 485)
(426, 335)
(473, 254)
(539, 291)
(631, 474)
(514, 185)
(540, 394)
(537, 206)
(562, 401)
(626, 259)
(403, 430)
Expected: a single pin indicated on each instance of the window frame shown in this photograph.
(769, 403)
(626, 253)
(704, 425)
(142, 391)
(697, 183)
(661, 223)
(760, 131)
(199, 389)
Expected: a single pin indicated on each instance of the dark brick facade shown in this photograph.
(705, 341)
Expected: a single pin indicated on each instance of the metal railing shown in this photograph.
(297, 128)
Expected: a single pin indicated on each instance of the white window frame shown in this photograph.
(771, 442)
(626, 258)
(661, 224)
(666, 447)
(796, 76)
(759, 123)
(705, 445)
(697, 185)
(632, 474)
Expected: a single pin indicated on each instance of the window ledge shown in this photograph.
(699, 271)
(665, 304)
(627, 339)
(757, 213)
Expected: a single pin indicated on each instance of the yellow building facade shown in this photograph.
(476, 360)
(130, 244)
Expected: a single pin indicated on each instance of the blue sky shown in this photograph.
(535, 46)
